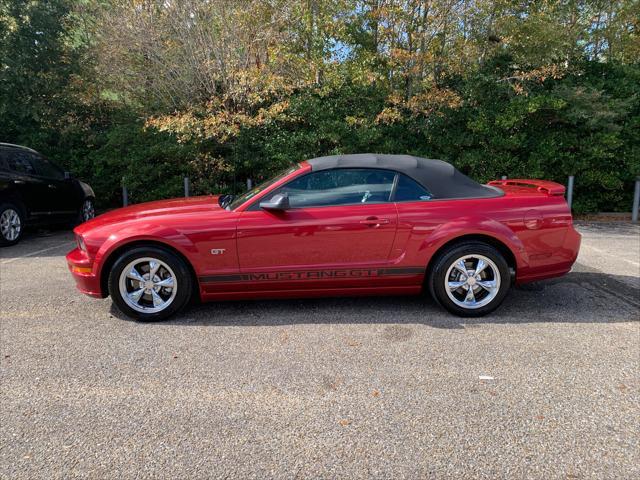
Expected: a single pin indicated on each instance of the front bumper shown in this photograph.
(84, 273)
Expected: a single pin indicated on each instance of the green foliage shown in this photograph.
(584, 125)
(150, 164)
(34, 70)
(524, 89)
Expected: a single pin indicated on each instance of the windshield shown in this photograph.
(237, 201)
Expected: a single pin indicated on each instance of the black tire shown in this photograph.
(445, 261)
(183, 281)
(83, 215)
(8, 230)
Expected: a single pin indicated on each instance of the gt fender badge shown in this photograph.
(217, 251)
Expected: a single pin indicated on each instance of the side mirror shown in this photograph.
(225, 200)
(277, 202)
(67, 175)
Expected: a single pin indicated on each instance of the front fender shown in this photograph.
(474, 225)
(153, 233)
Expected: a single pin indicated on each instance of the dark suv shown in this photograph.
(35, 191)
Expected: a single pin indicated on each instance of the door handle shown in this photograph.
(374, 221)
(19, 182)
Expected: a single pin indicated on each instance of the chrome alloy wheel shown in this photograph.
(148, 285)
(472, 281)
(88, 211)
(10, 225)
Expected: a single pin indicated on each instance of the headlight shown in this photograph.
(81, 245)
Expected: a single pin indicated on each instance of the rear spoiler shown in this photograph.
(543, 186)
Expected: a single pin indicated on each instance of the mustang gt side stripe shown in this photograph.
(312, 274)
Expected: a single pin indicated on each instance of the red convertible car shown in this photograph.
(332, 226)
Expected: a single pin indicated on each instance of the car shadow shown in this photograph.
(579, 297)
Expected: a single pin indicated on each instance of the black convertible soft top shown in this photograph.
(440, 178)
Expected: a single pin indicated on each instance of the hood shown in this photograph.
(172, 206)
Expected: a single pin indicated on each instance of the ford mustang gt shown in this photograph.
(332, 226)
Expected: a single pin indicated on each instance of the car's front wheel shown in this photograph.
(150, 283)
(11, 223)
(470, 279)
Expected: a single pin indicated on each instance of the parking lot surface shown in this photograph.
(546, 387)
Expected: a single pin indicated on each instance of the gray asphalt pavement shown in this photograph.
(547, 387)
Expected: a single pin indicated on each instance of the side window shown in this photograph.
(342, 186)
(408, 190)
(45, 168)
(20, 161)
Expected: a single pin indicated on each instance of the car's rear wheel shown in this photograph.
(150, 283)
(470, 279)
(11, 223)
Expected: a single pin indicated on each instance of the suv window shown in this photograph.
(47, 169)
(20, 161)
(342, 186)
(408, 190)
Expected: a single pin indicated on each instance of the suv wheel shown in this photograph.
(470, 279)
(150, 283)
(87, 212)
(11, 223)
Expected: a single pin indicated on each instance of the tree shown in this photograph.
(35, 68)
(222, 90)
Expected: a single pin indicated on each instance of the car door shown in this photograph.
(31, 189)
(339, 230)
(63, 197)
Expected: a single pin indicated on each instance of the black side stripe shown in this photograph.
(401, 271)
(312, 274)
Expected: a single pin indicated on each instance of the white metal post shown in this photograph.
(570, 191)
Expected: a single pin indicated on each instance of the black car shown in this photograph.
(35, 191)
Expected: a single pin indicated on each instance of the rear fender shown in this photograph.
(470, 226)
